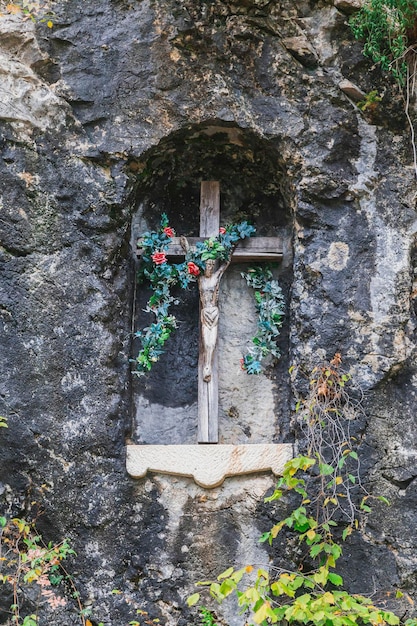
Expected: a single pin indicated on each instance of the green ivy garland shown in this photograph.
(270, 305)
(163, 276)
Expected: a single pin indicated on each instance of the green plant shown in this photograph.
(370, 102)
(207, 617)
(325, 484)
(389, 31)
(270, 306)
(163, 276)
(26, 562)
(388, 28)
(144, 616)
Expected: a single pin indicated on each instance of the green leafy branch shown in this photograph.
(313, 597)
(26, 562)
(270, 306)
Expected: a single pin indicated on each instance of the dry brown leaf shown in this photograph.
(13, 8)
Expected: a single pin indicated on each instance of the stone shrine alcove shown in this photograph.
(252, 410)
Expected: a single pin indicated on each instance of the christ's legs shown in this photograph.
(209, 322)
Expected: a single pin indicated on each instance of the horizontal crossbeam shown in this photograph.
(247, 250)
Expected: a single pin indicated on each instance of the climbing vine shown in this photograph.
(26, 563)
(325, 498)
(333, 403)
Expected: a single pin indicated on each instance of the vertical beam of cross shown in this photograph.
(208, 396)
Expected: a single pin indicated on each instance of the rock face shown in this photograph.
(107, 120)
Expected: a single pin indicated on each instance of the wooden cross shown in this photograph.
(248, 250)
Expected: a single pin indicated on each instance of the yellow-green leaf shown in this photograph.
(263, 613)
(226, 573)
(320, 577)
(328, 597)
(193, 599)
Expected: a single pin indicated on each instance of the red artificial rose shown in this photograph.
(169, 231)
(242, 365)
(193, 268)
(158, 258)
(222, 230)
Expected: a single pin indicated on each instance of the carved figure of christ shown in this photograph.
(257, 249)
(209, 285)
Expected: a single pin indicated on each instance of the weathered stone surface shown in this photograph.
(301, 49)
(26, 101)
(348, 6)
(351, 90)
(107, 120)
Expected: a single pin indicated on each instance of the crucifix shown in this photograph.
(208, 464)
(250, 250)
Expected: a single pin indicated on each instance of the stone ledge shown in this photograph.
(208, 464)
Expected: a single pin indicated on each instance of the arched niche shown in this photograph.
(254, 187)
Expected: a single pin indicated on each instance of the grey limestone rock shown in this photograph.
(107, 120)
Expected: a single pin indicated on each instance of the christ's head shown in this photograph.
(209, 267)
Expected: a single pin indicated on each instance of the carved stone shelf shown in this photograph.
(208, 464)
